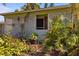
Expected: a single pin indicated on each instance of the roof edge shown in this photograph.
(42, 9)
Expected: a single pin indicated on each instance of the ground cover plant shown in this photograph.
(10, 46)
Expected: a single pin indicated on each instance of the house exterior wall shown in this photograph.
(1, 28)
(30, 26)
(7, 25)
(13, 26)
(17, 25)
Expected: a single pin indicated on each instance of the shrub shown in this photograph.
(61, 36)
(74, 52)
(12, 46)
(33, 38)
(71, 42)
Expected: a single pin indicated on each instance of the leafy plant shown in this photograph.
(74, 52)
(34, 36)
(12, 46)
(61, 36)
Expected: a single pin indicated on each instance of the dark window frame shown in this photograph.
(18, 18)
(44, 22)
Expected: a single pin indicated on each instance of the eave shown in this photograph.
(29, 11)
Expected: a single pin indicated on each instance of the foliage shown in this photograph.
(34, 36)
(34, 6)
(12, 46)
(74, 52)
(16, 10)
(61, 36)
(30, 6)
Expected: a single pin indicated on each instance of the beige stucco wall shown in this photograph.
(7, 25)
(30, 23)
(30, 26)
(15, 29)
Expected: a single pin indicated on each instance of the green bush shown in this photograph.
(10, 46)
(61, 36)
(34, 36)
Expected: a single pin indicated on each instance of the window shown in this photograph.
(41, 22)
(13, 25)
(18, 19)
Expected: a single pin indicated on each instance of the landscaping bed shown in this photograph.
(10, 46)
(61, 40)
